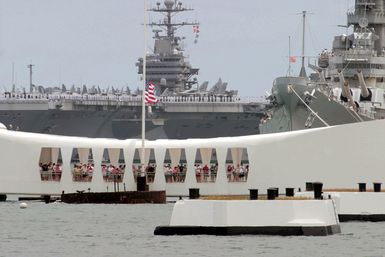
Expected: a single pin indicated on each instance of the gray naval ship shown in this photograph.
(185, 109)
(347, 84)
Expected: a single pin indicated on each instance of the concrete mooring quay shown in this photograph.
(352, 204)
(285, 217)
(253, 217)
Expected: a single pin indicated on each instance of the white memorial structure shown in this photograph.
(339, 156)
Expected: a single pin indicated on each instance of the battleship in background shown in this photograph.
(184, 110)
(347, 85)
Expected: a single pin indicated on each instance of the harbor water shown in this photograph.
(60, 229)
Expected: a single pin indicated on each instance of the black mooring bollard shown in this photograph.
(309, 186)
(253, 194)
(362, 187)
(141, 183)
(3, 197)
(193, 193)
(317, 187)
(47, 198)
(289, 191)
(271, 192)
(377, 187)
(276, 191)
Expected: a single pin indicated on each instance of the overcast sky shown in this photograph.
(97, 42)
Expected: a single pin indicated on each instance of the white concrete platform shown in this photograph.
(272, 217)
(356, 206)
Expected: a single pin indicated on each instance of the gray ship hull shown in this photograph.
(122, 124)
(290, 113)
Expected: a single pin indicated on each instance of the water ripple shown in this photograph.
(127, 230)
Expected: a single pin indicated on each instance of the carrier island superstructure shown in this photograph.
(186, 108)
(348, 81)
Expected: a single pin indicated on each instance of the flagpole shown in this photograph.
(143, 93)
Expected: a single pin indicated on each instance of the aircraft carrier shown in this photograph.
(185, 108)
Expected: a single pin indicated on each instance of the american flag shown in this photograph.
(149, 95)
(292, 59)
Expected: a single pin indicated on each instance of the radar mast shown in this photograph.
(167, 67)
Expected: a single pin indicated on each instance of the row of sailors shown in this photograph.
(194, 98)
(325, 53)
(121, 98)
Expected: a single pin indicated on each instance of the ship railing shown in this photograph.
(370, 113)
(22, 97)
(365, 2)
(129, 99)
(367, 113)
(107, 102)
(356, 54)
(211, 99)
(22, 101)
(137, 100)
(95, 97)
